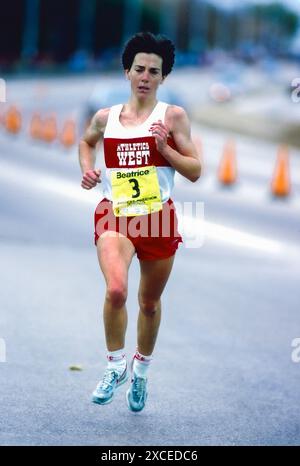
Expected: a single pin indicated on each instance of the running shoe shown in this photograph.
(106, 388)
(136, 395)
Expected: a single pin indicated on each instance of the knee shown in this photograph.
(148, 307)
(116, 295)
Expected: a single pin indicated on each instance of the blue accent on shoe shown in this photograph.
(136, 395)
(104, 392)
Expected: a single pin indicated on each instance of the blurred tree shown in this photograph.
(194, 26)
(168, 18)
(212, 26)
(58, 29)
(150, 18)
(233, 29)
(11, 30)
(131, 18)
(183, 25)
(31, 30)
(275, 24)
(109, 19)
(221, 33)
(203, 24)
(87, 11)
(54, 30)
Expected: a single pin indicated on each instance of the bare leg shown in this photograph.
(154, 276)
(115, 254)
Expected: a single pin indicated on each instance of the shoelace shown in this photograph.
(138, 389)
(108, 378)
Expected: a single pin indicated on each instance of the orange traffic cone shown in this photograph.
(36, 126)
(49, 129)
(68, 135)
(227, 172)
(281, 184)
(13, 120)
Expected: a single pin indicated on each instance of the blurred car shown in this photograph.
(228, 81)
(118, 93)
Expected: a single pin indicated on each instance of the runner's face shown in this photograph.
(145, 74)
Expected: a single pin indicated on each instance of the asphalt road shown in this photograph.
(222, 373)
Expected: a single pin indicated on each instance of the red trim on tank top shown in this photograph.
(134, 152)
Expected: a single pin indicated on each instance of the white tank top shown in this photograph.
(135, 147)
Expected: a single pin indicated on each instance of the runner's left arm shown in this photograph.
(186, 159)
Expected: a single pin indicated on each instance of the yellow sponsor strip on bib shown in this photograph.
(135, 191)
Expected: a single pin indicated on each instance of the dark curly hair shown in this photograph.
(149, 43)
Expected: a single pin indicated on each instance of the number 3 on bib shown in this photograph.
(135, 187)
(135, 192)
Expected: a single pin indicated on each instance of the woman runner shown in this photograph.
(145, 142)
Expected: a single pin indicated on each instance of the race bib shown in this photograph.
(135, 192)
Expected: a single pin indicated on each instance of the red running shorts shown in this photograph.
(154, 236)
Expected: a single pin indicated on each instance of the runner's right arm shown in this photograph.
(87, 144)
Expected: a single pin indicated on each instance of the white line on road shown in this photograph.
(242, 239)
(188, 224)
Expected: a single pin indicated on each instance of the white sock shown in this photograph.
(117, 360)
(141, 364)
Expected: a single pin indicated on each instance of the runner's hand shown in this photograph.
(91, 178)
(160, 132)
